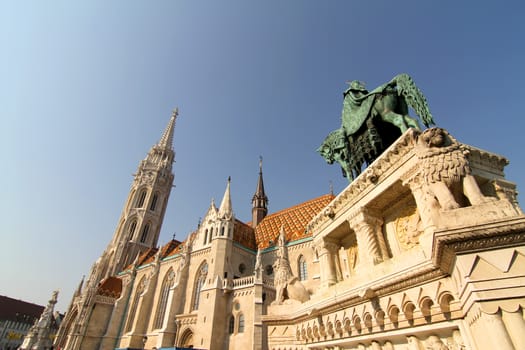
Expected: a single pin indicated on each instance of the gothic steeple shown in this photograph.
(259, 200)
(142, 217)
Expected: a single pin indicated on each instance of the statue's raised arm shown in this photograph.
(372, 121)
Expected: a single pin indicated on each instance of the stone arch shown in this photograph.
(186, 338)
(393, 315)
(141, 197)
(347, 325)
(425, 305)
(380, 318)
(198, 283)
(367, 320)
(408, 311)
(64, 339)
(357, 323)
(302, 268)
(444, 300)
(167, 283)
(339, 327)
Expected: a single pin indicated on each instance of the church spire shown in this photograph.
(259, 200)
(225, 210)
(166, 141)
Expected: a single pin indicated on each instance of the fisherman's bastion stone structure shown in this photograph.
(423, 250)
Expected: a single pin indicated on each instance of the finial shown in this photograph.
(199, 223)
(229, 179)
(331, 188)
(175, 112)
(260, 164)
(173, 236)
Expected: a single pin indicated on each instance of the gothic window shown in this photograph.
(240, 327)
(231, 325)
(142, 197)
(144, 233)
(222, 231)
(154, 202)
(206, 236)
(131, 230)
(163, 299)
(200, 278)
(303, 272)
(135, 303)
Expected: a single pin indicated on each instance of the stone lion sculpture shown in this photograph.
(445, 170)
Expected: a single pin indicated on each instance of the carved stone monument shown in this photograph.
(39, 336)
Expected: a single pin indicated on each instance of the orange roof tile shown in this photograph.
(294, 220)
(244, 235)
(111, 287)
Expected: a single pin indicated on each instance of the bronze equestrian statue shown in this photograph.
(372, 121)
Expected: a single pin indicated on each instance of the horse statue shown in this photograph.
(372, 121)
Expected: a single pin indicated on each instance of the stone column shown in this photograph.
(366, 227)
(515, 325)
(497, 333)
(327, 263)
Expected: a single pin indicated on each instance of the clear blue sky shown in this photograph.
(87, 87)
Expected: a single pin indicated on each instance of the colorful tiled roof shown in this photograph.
(244, 235)
(294, 220)
(110, 286)
(168, 249)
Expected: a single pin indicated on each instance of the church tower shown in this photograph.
(137, 230)
(141, 219)
(259, 200)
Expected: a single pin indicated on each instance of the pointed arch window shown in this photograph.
(167, 283)
(222, 231)
(154, 200)
(231, 325)
(199, 282)
(131, 230)
(206, 236)
(144, 235)
(240, 327)
(303, 271)
(135, 303)
(142, 198)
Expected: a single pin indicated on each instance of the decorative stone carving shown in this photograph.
(287, 286)
(408, 227)
(434, 343)
(445, 169)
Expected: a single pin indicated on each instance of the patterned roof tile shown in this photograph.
(294, 220)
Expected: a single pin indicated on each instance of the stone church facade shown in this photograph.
(424, 250)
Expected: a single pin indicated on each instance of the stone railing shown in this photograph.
(230, 284)
(243, 282)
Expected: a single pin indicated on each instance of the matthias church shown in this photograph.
(400, 259)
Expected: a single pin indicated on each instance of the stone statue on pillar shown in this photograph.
(39, 336)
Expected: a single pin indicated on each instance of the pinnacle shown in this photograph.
(225, 210)
(166, 141)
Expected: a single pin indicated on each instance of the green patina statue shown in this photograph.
(372, 121)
